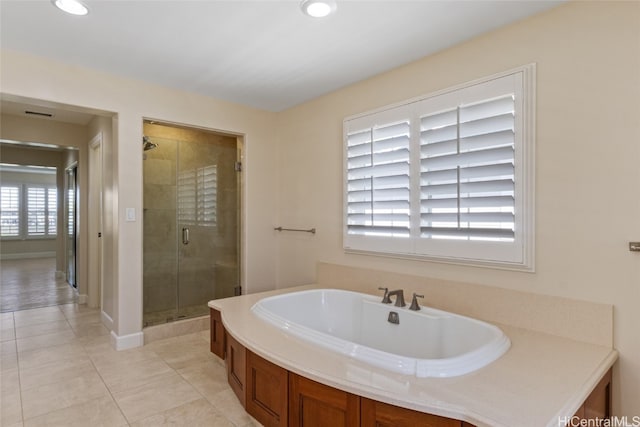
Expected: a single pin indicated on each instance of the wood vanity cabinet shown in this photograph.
(312, 404)
(236, 361)
(598, 404)
(266, 391)
(378, 414)
(217, 333)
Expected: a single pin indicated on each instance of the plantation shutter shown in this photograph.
(467, 171)
(36, 211)
(10, 211)
(378, 196)
(52, 212)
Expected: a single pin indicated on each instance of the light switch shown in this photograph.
(130, 214)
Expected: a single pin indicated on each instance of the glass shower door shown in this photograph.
(207, 222)
(191, 221)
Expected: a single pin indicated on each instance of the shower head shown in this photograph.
(147, 144)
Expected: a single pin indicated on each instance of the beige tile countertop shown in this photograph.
(541, 379)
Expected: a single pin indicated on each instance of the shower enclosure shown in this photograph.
(191, 221)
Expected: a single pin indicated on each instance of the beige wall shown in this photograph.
(26, 76)
(587, 154)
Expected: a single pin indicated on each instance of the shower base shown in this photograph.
(172, 315)
(176, 328)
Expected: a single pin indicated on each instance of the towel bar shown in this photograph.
(311, 230)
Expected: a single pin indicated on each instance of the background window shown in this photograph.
(10, 211)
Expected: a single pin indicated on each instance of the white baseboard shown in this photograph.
(82, 298)
(107, 321)
(28, 255)
(126, 342)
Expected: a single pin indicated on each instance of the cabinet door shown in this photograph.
(312, 404)
(236, 362)
(378, 414)
(217, 333)
(266, 391)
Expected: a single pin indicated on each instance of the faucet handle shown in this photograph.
(385, 298)
(414, 302)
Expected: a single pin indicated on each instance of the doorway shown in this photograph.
(191, 250)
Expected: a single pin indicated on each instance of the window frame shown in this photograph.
(23, 212)
(516, 255)
(20, 197)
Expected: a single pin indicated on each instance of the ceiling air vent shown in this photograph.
(38, 113)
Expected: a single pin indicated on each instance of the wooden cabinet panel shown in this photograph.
(217, 333)
(266, 391)
(236, 362)
(312, 404)
(598, 404)
(378, 414)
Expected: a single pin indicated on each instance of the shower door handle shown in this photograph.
(185, 235)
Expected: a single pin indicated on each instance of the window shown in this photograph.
(447, 177)
(38, 202)
(10, 211)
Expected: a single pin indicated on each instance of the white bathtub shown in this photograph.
(425, 343)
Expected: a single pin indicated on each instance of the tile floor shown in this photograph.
(31, 283)
(58, 369)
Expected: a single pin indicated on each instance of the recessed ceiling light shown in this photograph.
(318, 8)
(73, 7)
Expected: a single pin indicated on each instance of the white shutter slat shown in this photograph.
(381, 230)
(469, 158)
(495, 186)
(389, 169)
(365, 219)
(473, 217)
(360, 137)
(487, 140)
(391, 181)
(439, 135)
(439, 120)
(469, 202)
(391, 131)
(476, 172)
(480, 233)
(487, 125)
(361, 207)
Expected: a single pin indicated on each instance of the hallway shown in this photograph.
(31, 283)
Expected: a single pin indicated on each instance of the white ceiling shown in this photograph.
(264, 54)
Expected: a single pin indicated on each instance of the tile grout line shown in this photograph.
(15, 334)
(113, 399)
